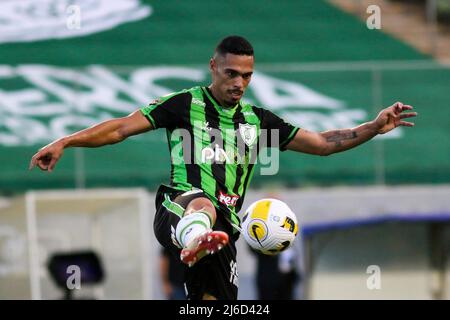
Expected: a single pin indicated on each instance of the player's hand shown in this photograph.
(47, 156)
(392, 117)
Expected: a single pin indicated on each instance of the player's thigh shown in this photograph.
(197, 202)
(171, 209)
(194, 201)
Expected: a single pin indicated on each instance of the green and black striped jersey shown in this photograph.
(214, 148)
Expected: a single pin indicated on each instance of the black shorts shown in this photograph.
(214, 274)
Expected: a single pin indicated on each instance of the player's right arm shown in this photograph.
(107, 132)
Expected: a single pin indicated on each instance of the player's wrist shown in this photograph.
(64, 142)
(373, 127)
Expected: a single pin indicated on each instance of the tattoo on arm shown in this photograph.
(337, 136)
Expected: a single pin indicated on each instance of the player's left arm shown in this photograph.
(329, 142)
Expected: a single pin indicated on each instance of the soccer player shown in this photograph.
(214, 139)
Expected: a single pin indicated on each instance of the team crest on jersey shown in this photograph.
(248, 133)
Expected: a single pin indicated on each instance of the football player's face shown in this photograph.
(231, 75)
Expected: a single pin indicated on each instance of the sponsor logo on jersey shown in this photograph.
(155, 102)
(228, 200)
(198, 102)
(217, 155)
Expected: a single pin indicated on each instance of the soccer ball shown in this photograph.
(269, 226)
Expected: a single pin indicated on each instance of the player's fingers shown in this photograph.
(407, 107)
(408, 115)
(41, 165)
(406, 124)
(52, 164)
(398, 107)
(32, 163)
(34, 160)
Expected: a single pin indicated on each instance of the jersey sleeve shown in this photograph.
(272, 122)
(168, 111)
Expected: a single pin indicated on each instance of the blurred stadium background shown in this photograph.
(383, 206)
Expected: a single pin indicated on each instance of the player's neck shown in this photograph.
(213, 92)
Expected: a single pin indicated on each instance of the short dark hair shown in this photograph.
(235, 45)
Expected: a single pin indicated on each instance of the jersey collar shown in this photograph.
(217, 105)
